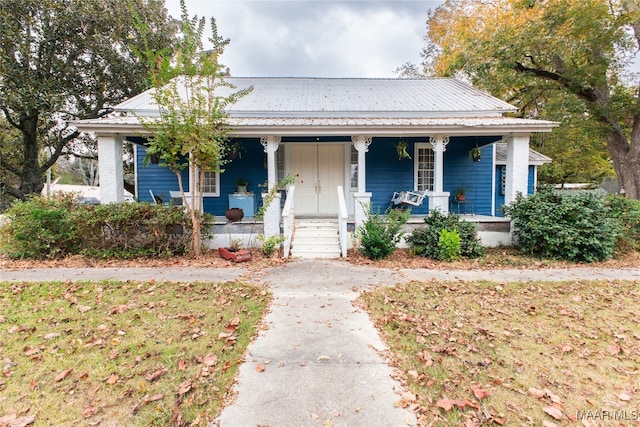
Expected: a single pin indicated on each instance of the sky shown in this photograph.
(318, 38)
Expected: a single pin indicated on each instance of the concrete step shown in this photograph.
(316, 239)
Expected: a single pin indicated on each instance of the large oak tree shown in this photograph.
(63, 60)
(532, 52)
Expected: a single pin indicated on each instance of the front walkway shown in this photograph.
(320, 354)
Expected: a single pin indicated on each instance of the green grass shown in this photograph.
(86, 353)
(577, 342)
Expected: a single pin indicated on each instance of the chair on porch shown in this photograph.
(408, 198)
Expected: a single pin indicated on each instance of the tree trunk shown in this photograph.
(31, 178)
(626, 162)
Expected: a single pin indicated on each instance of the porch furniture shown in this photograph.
(408, 198)
(463, 206)
(156, 199)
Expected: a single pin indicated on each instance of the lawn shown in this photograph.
(518, 354)
(122, 353)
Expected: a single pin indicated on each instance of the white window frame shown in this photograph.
(193, 185)
(417, 147)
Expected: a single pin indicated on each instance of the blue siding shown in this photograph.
(476, 177)
(499, 199)
(161, 180)
(386, 174)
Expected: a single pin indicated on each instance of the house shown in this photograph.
(352, 143)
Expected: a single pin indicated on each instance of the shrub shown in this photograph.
(380, 234)
(270, 244)
(575, 227)
(449, 245)
(627, 212)
(426, 241)
(41, 228)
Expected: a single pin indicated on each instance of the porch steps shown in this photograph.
(316, 238)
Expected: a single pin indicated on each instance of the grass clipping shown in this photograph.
(549, 354)
(112, 353)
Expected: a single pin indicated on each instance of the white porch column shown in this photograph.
(439, 199)
(110, 169)
(361, 198)
(272, 214)
(270, 145)
(517, 170)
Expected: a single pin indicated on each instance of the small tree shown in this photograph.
(191, 129)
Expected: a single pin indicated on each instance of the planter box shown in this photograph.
(238, 256)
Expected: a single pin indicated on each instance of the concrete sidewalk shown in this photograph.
(321, 355)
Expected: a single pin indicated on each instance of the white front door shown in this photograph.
(321, 169)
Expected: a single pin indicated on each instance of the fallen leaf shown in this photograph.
(52, 335)
(62, 375)
(480, 393)
(210, 359)
(152, 376)
(260, 367)
(113, 378)
(13, 421)
(537, 393)
(89, 411)
(554, 412)
(446, 404)
(184, 388)
(625, 396)
(83, 308)
(613, 349)
(547, 423)
(154, 398)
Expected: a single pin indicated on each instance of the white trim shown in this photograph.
(135, 169)
(494, 169)
(417, 146)
(192, 184)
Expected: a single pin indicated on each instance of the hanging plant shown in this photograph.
(475, 153)
(401, 149)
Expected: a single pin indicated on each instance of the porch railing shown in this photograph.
(342, 222)
(288, 221)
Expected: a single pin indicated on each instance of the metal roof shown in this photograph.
(348, 97)
(535, 158)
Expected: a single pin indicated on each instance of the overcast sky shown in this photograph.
(317, 38)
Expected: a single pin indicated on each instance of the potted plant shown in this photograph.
(234, 252)
(241, 185)
(461, 194)
(401, 150)
(475, 153)
(235, 150)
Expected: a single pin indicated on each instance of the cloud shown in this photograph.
(316, 38)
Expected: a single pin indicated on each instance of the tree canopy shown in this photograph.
(64, 60)
(558, 59)
(192, 96)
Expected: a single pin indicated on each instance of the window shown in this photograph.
(424, 167)
(211, 184)
(353, 169)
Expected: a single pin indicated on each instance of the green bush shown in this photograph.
(627, 212)
(576, 227)
(41, 229)
(269, 244)
(426, 241)
(380, 234)
(449, 244)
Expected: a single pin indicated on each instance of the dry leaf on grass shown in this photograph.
(554, 412)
